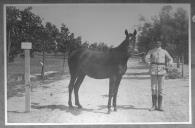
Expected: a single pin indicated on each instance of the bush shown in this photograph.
(173, 73)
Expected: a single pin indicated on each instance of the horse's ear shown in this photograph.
(135, 32)
(126, 32)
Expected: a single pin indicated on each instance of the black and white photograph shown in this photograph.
(97, 64)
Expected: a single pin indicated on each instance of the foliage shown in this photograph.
(171, 27)
(22, 25)
(99, 46)
(173, 73)
(63, 38)
(85, 44)
(75, 43)
(67, 41)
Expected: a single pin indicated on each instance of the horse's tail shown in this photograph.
(71, 50)
(73, 60)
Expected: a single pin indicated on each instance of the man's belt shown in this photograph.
(158, 63)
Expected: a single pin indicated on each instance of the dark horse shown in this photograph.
(110, 64)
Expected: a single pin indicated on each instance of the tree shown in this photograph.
(48, 38)
(94, 46)
(171, 27)
(63, 38)
(51, 34)
(102, 46)
(22, 25)
(76, 43)
(67, 42)
(85, 44)
(12, 20)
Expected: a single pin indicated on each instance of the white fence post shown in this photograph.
(27, 46)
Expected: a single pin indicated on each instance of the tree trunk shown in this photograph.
(64, 64)
(178, 62)
(43, 62)
(8, 44)
(182, 66)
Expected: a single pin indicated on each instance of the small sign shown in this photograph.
(26, 45)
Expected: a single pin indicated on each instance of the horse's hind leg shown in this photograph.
(77, 85)
(70, 87)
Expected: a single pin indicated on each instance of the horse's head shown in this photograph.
(131, 38)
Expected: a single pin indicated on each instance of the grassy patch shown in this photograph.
(15, 73)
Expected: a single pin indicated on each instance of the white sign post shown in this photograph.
(27, 46)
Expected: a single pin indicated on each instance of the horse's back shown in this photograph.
(90, 62)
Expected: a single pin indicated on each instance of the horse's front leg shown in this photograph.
(111, 92)
(116, 92)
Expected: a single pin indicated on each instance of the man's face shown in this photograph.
(157, 46)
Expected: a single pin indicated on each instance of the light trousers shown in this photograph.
(157, 84)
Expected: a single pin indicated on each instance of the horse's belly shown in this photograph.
(98, 76)
(97, 72)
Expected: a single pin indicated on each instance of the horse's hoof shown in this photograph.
(115, 109)
(109, 111)
(70, 106)
(80, 107)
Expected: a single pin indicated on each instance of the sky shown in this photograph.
(99, 22)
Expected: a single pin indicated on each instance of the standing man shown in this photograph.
(157, 58)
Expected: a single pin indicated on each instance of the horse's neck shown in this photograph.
(123, 47)
(121, 52)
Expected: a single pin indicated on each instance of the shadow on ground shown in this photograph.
(74, 110)
(54, 77)
(17, 90)
(16, 112)
(124, 107)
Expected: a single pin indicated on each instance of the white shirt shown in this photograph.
(158, 55)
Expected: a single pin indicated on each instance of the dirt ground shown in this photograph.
(49, 101)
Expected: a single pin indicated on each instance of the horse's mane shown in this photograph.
(123, 47)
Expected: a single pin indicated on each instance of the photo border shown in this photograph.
(190, 76)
